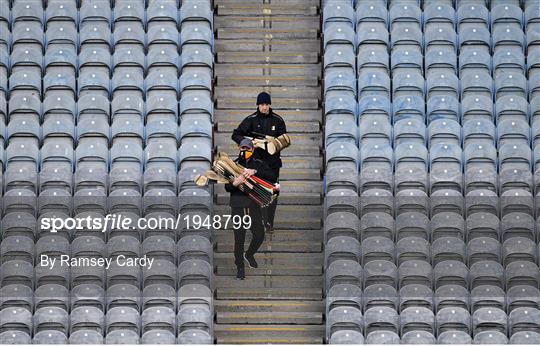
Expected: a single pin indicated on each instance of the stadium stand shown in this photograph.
(106, 107)
(408, 208)
(433, 105)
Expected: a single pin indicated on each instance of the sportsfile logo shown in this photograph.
(121, 222)
(109, 222)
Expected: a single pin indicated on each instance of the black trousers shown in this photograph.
(257, 232)
(271, 209)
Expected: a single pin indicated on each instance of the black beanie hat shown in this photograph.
(264, 97)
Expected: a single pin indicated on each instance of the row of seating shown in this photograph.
(480, 224)
(445, 296)
(164, 272)
(419, 326)
(162, 249)
(444, 107)
(60, 80)
(191, 336)
(120, 324)
(425, 13)
(144, 11)
(421, 272)
(422, 337)
(373, 248)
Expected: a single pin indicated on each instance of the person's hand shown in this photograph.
(258, 142)
(248, 172)
(239, 180)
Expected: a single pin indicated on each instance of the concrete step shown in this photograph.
(278, 94)
(290, 186)
(297, 174)
(274, 258)
(303, 162)
(296, 151)
(301, 186)
(298, 270)
(298, 57)
(292, 126)
(273, 333)
(266, 9)
(263, 317)
(268, 69)
(304, 2)
(287, 198)
(268, 33)
(282, 235)
(270, 341)
(276, 246)
(268, 306)
(284, 293)
(300, 139)
(269, 281)
(259, 22)
(292, 151)
(267, 81)
(237, 115)
(268, 44)
(283, 210)
(300, 165)
(247, 103)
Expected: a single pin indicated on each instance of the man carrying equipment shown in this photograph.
(242, 205)
(264, 122)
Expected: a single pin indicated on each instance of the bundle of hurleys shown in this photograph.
(224, 170)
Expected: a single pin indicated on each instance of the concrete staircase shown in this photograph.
(273, 45)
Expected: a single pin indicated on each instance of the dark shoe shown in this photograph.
(251, 261)
(240, 274)
(269, 228)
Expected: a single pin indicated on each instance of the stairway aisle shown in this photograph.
(273, 47)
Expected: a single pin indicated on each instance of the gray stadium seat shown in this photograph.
(194, 336)
(378, 295)
(415, 296)
(448, 248)
(343, 318)
(381, 319)
(490, 337)
(192, 316)
(338, 12)
(380, 272)
(346, 337)
(158, 337)
(371, 12)
(377, 248)
(122, 336)
(450, 272)
(50, 337)
(343, 271)
(86, 337)
(412, 224)
(487, 296)
(525, 338)
(194, 271)
(341, 223)
(344, 295)
(158, 319)
(342, 247)
(15, 337)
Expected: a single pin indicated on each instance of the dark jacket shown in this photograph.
(269, 124)
(238, 198)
